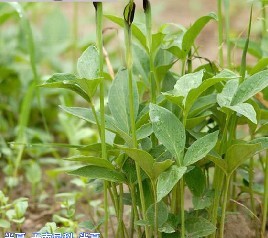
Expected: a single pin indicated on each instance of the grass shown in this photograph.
(160, 129)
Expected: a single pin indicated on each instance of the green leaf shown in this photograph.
(168, 129)
(87, 115)
(168, 179)
(88, 65)
(160, 167)
(198, 227)
(162, 213)
(196, 181)
(262, 64)
(191, 34)
(62, 80)
(246, 110)
(225, 97)
(196, 92)
(4, 224)
(203, 201)
(237, 154)
(142, 158)
(89, 86)
(33, 173)
(135, 29)
(92, 161)
(261, 140)
(200, 148)
(95, 172)
(250, 87)
(184, 85)
(144, 131)
(254, 48)
(118, 99)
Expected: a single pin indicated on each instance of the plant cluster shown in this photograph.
(160, 128)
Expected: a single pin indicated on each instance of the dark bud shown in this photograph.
(95, 5)
(129, 13)
(146, 5)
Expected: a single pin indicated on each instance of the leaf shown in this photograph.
(33, 173)
(246, 110)
(185, 84)
(89, 86)
(4, 224)
(162, 213)
(196, 181)
(195, 93)
(87, 115)
(168, 129)
(203, 201)
(142, 158)
(254, 48)
(95, 172)
(168, 179)
(191, 34)
(198, 227)
(92, 161)
(118, 100)
(135, 29)
(200, 148)
(144, 131)
(250, 87)
(225, 97)
(237, 154)
(147, 162)
(261, 140)
(262, 64)
(88, 65)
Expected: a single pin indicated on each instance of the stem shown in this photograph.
(129, 59)
(264, 20)
(220, 33)
(182, 208)
(155, 209)
(224, 205)
(75, 33)
(99, 23)
(227, 27)
(265, 197)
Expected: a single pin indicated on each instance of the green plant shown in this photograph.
(183, 135)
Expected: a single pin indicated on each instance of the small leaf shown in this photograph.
(4, 224)
(33, 173)
(191, 34)
(225, 97)
(168, 129)
(203, 201)
(142, 158)
(168, 179)
(95, 172)
(237, 154)
(162, 214)
(196, 181)
(118, 99)
(250, 87)
(88, 65)
(246, 110)
(92, 161)
(199, 227)
(185, 84)
(200, 148)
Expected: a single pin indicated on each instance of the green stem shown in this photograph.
(224, 205)
(99, 24)
(182, 208)
(227, 27)
(264, 19)
(265, 197)
(155, 209)
(75, 34)
(129, 59)
(220, 33)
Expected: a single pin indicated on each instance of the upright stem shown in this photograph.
(182, 207)
(227, 28)
(129, 16)
(99, 16)
(220, 33)
(264, 19)
(265, 197)
(75, 33)
(224, 205)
